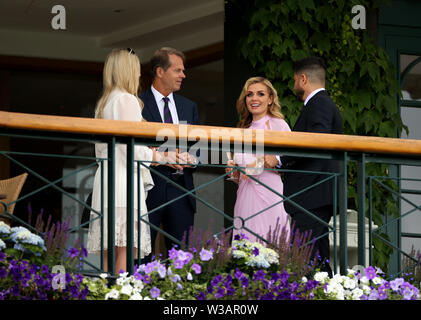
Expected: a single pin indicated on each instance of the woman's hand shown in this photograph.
(270, 161)
(234, 174)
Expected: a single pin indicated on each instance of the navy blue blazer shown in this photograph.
(319, 115)
(187, 112)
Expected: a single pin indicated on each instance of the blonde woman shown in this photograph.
(258, 108)
(119, 101)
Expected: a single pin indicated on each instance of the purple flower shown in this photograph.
(155, 292)
(172, 254)
(220, 293)
(83, 251)
(175, 278)
(3, 273)
(201, 296)
(149, 267)
(395, 284)
(205, 255)
(178, 264)
(162, 271)
(2, 256)
(370, 273)
(238, 274)
(72, 252)
(255, 252)
(196, 268)
(216, 280)
(259, 275)
(373, 295)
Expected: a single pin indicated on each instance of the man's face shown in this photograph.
(299, 90)
(174, 75)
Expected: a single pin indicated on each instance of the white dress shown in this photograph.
(121, 106)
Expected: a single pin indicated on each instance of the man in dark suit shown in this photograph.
(161, 104)
(321, 115)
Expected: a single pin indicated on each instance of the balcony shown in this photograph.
(32, 129)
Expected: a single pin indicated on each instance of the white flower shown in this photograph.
(113, 294)
(351, 272)
(126, 289)
(364, 280)
(136, 296)
(304, 280)
(366, 289)
(138, 285)
(189, 277)
(4, 229)
(349, 283)
(2, 245)
(321, 276)
(357, 293)
(377, 280)
(103, 276)
(238, 254)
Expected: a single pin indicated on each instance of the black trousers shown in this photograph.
(176, 218)
(304, 222)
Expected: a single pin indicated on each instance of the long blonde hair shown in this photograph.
(246, 117)
(121, 71)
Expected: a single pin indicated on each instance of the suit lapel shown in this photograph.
(150, 110)
(181, 115)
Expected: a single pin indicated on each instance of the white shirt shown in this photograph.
(312, 94)
(160, 103)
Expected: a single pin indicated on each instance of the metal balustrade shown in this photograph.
(345, 149)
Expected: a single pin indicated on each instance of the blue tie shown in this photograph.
(167, 113)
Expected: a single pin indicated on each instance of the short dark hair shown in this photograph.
(313, 67)
(161, 58)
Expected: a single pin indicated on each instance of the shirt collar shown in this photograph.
(158, 95)
(312, 94)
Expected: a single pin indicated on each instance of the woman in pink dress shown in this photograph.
(257, 208)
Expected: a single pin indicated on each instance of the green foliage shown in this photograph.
(360, 77)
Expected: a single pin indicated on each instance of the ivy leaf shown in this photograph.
(301, 31)
(350, 117)
(373, 71)
(322, 42)
(348, 67)
(285, 68)
(298, 54)
(307, 4)
(363, 100)
(387, 129)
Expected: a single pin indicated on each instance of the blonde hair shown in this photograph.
(121, 71)
(274, 108)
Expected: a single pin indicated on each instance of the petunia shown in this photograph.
(205, 255)
(155, 292)
(196, 268)
(72, 252)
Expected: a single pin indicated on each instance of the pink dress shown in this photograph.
(253, 197)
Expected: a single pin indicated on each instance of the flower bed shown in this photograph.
(211, 269)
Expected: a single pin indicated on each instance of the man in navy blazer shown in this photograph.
(320, 115)
(161, 104)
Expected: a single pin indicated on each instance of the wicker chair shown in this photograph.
(11, 189)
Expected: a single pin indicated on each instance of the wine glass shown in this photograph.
(230, 156)
(178, 172)
(258, 168)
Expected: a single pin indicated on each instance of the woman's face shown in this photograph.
(258, 100)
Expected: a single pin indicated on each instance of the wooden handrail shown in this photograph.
(304, 140)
